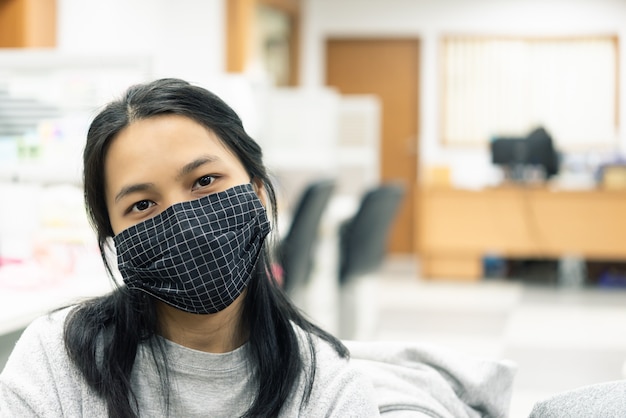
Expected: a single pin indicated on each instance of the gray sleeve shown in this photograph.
(348, 394)
(603, 400)
(13, 405)
(339, 390)
(27, 387)
(38, 379)
(414, 379)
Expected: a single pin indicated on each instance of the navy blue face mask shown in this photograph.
(197, 256)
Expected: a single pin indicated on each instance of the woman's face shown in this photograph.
(156, 162)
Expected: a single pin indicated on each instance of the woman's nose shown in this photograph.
(174, 197)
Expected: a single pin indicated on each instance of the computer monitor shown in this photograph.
(509, 151)
(519, 154)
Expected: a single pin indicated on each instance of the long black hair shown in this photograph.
(102, 335)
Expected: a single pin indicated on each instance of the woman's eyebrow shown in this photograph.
(189, 167)
(126, 190)
(186, 169)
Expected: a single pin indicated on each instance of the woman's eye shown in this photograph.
(203, 182)
(142, 205)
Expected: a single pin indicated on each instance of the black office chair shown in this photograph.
(363, 243)
(363, 238)
(296, 252)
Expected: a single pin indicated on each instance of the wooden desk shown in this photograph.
(456, 228)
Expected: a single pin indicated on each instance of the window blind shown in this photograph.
(508, 86)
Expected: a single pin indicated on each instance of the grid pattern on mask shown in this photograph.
(197, 255)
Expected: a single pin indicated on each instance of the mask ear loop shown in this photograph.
(274, 272)
(259, 189)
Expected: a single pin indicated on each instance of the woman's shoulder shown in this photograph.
(41, 341)
(46, 328)
(325, 352)
(339, 388)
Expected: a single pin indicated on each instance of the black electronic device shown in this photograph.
(518, 155)
(541, 152)
(509, 151)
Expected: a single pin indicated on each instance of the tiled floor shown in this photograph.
(560, 338)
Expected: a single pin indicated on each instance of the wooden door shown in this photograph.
(388, 68)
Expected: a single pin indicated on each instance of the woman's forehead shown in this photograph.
(149, 146)
(165, 134)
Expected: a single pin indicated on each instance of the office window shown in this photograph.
(508, 86)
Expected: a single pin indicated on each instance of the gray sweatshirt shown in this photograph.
(39, 380)
(601, 400)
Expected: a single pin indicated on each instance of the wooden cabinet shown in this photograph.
(246, 40)
(457, 228)
(28, 23)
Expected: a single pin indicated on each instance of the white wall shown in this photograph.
(186, 38)
(429, 20)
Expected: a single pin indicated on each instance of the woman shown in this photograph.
(199, 327)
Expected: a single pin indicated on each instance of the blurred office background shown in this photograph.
(496, 248)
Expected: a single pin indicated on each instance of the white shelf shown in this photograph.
(63, 172)
(20, 304)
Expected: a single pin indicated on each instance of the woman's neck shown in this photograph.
(213, 333)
